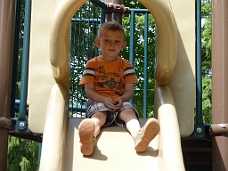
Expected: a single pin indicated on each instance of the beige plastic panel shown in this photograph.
(176, 56)
(40, 73)
(55, 130)
(48, 43)
(167, 39)
(182, 84)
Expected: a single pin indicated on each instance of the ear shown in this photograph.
(97, 42)
(123, 45)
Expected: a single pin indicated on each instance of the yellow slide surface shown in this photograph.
(115, 146)
(49, 92)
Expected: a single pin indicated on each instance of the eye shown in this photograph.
(107, 40)
(117, 41)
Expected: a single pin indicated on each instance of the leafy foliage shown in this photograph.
(206, 38)
(133, 4)
(206, 99)
(22, 155)
(139, 57)
(206, 62)
(83, 31)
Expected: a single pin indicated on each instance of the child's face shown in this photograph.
(111, 43)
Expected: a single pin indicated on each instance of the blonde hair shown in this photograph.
(110, 25)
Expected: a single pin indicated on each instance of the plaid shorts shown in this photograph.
(112, 117)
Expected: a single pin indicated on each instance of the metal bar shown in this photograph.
(39, 153)
(198, 63)
(72, 107)
(132, 38)
(22, 120)
(15, 56)
(132, 42)
(103, 12)
(145, 83)
(6, 41)
(103, 9)
(99, 3)
(219, 81)
(199, 125)
(79, 20)
(218, 130)
(136, 10)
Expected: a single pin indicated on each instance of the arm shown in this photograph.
(128, 94)
(94, 96)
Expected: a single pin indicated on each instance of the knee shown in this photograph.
(99, 118)
(127, 114)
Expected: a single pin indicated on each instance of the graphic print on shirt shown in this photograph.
(112, 80)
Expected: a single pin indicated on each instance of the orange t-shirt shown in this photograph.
(109, 78)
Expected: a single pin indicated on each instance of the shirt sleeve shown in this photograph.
(129, 73)
(88, 76)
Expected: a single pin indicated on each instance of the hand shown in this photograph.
(118, 103)
(108, 102)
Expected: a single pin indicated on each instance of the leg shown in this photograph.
(146, 134)
(131, 121)
(88, 129)
(143, 136)
(99, 119)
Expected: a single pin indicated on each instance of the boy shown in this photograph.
(109, 84)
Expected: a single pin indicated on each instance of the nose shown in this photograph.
(112, 43)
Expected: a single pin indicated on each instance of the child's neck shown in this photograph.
(108, 59)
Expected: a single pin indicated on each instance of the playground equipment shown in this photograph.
(219, 84)
(175, 89)
(175, 71)
(6, 41)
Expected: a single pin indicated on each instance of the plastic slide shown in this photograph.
(115, 147)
